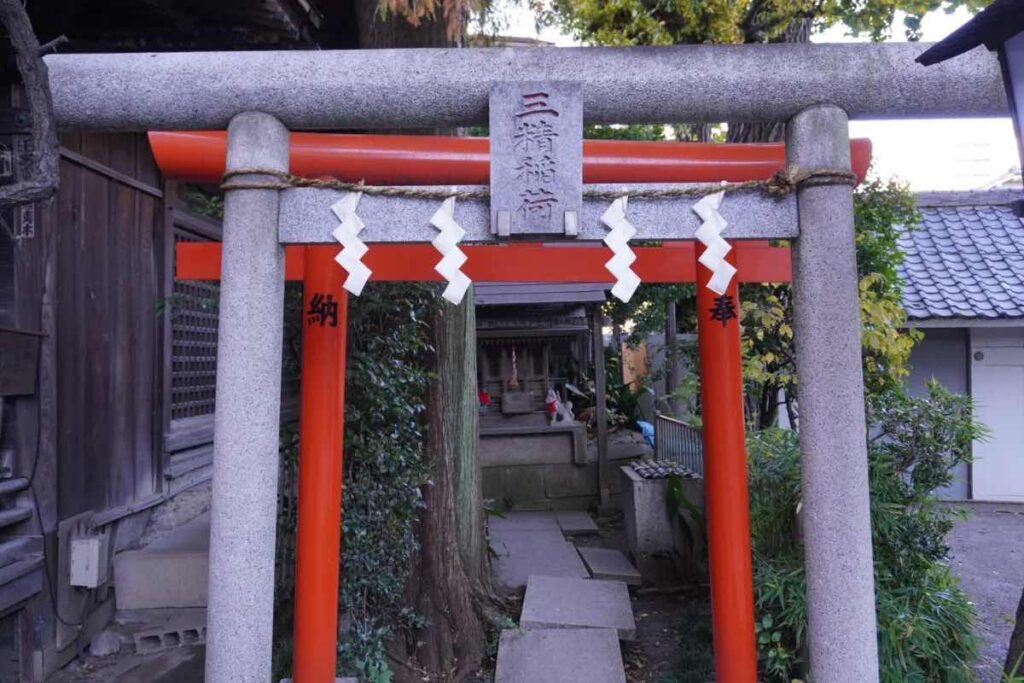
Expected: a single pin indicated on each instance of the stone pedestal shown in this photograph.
(645, 513)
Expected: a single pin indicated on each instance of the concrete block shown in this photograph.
(606, 563)
(177, 632)
(570, 480)
(170, 572)
(576, 522)
(589, 655)
(554, 602)
(645, 512)
(550, 559)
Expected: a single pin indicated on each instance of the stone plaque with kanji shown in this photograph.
(536, 158)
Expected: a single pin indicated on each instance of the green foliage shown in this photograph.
(204, 202)
(646, 309)
(386, 383)
(1016, 673)
(883, 210)
(925, 622)
(671, 22)
(384, 415)
(623, 400)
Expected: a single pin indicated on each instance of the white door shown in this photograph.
(997, 384)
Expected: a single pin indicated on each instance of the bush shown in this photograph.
(925, 622)
(388, 344)
(384, 414)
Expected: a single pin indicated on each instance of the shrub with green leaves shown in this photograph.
(925, 622)
(384, 414)
(385, 404)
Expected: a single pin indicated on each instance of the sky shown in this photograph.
(935, 154)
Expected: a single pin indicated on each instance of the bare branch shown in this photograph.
(39, 179)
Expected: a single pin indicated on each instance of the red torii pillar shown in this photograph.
(321, 441)
(323, 365)
(725, 480)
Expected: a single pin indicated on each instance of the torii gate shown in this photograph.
(199, 157)
(258, 95)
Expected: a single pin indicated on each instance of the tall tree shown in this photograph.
(450, 586)
(642, 22)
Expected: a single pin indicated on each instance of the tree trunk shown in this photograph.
(460, 332)
(451, 586)
(1015, 655)
(453, 565)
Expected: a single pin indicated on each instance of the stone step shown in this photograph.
(170, 572)
(570, 655)
(606, 563)
(543, 559)
(554, 602)
(505, 543)
(576, 522)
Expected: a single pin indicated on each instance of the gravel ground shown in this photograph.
(988, 556)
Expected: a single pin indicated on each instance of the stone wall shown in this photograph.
(538, 469)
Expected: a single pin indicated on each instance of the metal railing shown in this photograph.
(680, 443)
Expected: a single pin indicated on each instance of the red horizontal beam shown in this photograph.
(523, 262)
(437, 160)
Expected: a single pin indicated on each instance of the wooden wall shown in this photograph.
(109, 250)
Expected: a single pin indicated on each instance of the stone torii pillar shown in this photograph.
(243, 514)
(836, 516)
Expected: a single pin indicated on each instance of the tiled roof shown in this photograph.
(518, 293)
(966, 258)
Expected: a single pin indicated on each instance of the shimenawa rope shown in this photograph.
(782, 183)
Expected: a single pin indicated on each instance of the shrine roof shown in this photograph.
(966, 258)
(518, 293)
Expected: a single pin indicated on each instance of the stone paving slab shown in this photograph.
(610, 564)
(509, 542)
(524, 521)
(554, 602)
(576, 522)
(568, 655)
(548, 559)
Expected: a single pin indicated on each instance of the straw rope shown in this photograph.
(783, 182)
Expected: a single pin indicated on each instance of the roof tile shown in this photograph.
(965, 261)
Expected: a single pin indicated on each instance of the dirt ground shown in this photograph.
(673, 622)
(176, 665)
(988, 556)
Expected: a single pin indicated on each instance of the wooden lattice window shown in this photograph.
(194, 316)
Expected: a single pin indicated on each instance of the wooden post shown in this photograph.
(725, 481)
(671, 355)
(601, 412)
(321, 433)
